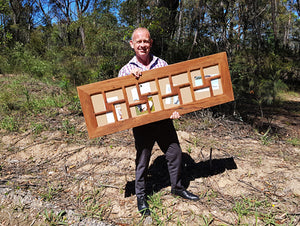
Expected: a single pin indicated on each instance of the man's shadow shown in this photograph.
(158, 175)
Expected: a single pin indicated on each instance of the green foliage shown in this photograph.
(259, 79)
(92, 45)
(37, 45)
(4, 6)
(23, 96)
(77, 69)
(4, 64)
(5, 36)
(21, 60)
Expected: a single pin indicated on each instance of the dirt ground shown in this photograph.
(244, 176)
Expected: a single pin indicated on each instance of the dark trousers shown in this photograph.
(162, 132)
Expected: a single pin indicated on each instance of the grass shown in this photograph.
(294, 141)
(24, 99)
(50, 192)
(54, 219)
(211, 195)
(9, 123)
(291, 98)
(207, 220)
(95, 210)
(68, 127)
(38, 127)
(286, 94)
(259, 212)
(248, 211)
(159, 211)
(92, 206)
(189, 150)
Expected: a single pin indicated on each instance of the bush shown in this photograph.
(4, 64)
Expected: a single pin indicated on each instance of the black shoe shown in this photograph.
(185, 194)
(143, 206)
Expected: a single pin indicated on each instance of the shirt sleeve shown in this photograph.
(126, 70)
(123, 72)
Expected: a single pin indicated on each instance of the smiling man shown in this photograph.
(143, 60)
(162, 132)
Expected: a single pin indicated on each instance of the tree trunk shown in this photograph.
(274, 16)
(82, 34)
(179, 24)
(82, 6)
(194, 43)
(138, 13)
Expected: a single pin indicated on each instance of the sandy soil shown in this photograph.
(243, 176)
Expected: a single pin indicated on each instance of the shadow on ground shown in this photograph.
(158, 175)
(281, 119)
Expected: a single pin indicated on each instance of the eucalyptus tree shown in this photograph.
(159, 16)
(22, 13)
(5, 36)
(81, 7)
(297, 6)
(44, 14)
(63, 12)
(134, 12)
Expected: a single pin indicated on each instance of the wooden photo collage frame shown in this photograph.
(125, 102)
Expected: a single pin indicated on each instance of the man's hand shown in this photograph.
(136, 72)
(175, 115)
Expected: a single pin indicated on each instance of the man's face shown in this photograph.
(141, 43)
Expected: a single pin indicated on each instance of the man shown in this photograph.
(162, 132)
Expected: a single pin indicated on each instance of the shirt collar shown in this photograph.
(137, 63)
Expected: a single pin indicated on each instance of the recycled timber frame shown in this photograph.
(121, 103)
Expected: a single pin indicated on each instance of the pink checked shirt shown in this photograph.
(133, 63)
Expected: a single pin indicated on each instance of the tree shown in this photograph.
(274, 7)
(45, 14)
(22, 19)
(63, 11)
(5, 35)
(87, 40)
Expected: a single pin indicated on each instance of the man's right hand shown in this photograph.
(175, 115)
(136, 72)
